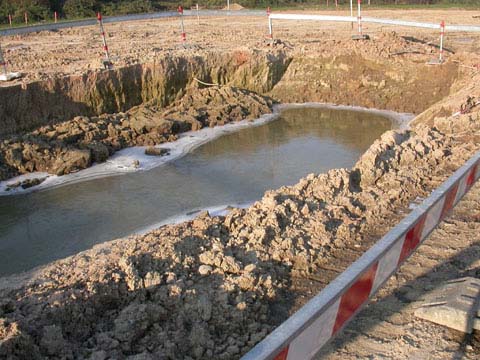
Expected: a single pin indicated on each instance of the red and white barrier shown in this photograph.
(107, 63)
(359, 17)
(182, 26)
(10, 20)
(25, 15)
(442, 34)
(308, 330)
(270, 27)
(55, 16)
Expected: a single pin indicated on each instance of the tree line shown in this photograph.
(39, 10)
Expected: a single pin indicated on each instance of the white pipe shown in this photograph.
(270, 27)
(465, 28)
(312, 17)
(442, 33)
(401, 23)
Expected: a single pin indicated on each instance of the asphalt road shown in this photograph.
(134, 17)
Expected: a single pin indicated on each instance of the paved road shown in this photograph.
(134, 17)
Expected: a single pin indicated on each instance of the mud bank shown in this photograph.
(27, 106)
(75, 145)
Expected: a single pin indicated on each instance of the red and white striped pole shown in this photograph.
(106, 62)
(270, 27)
(26, 18)
(359, 18)
(442, 34)
(3, 63)
(10, 19)
(198, 15)
(182, 26)
(55, 15)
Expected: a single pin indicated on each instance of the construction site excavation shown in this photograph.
(177, 188)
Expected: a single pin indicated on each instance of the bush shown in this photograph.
(80, 8)
(128, 7)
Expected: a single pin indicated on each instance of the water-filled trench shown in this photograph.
(236, 168)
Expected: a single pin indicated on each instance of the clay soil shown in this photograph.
(213, 287)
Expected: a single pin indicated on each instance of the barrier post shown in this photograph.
(26, 18)
(10, 19)
(442, 34)
(359, 17)
(360, 35)
(270, 25)
(55, 15)
(106, 62)
(351, 11)
(198, 15)
(182, 27)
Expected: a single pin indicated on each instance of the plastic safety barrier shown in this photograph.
(309, 329)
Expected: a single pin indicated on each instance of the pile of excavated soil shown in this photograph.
(74, 145)
(234, 7)
(215, 286)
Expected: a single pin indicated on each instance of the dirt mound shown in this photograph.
(234, 7)
(73, 145)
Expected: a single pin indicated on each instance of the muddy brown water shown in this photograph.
(237, 168)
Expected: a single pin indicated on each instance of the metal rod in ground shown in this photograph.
(106, 62)
(198, 15)
(3, 63)
(55, 15)
(359, 17)
(26, 18)
(10, 19)
(270, 25)
(182, 26)
(351, 10)
(442, 34)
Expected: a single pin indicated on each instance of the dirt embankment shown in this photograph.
(31, 105)
(170, 100)
(74, 145)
